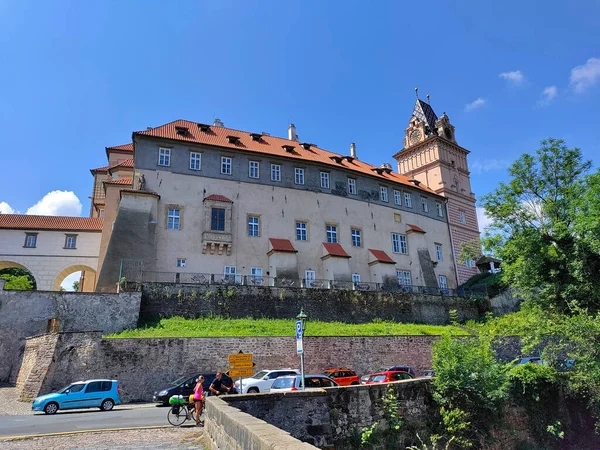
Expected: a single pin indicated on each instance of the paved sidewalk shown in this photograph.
(11, 406)
(185, 438)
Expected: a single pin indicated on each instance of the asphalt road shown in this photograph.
(92, 419)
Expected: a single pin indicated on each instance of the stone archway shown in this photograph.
(16, 265)
(89, 277)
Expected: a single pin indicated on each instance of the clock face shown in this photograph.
(448, 133)
(415, 136)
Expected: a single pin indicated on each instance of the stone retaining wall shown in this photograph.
(161, 300)
(145, 365)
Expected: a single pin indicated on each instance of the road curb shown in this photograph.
(64, 433)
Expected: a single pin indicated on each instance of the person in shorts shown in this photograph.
(198, 398)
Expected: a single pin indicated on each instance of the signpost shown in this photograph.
(299, 344)
(241, 365)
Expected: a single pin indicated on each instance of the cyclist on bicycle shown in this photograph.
(198, 398)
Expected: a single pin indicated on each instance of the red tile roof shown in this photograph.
(271, 145)
(218, 198)
(382, 256)
(126, 163)
(126, 181)
(282, 245)
(412, 227)
(100, 169)
(123, 147)
(336, 250)
(58, 223)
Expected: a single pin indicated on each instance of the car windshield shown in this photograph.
(260, 374)
(377, 378)
(75, 387)
(283, 383)
(179, 380)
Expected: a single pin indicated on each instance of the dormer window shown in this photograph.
(306, 145)
(182, 131)
(337, 159)
(256, 136)
(233, 140)
(387, 170)
(203, 127)
(415, 182)
(349, 158)
(378, 170)
(288, 148)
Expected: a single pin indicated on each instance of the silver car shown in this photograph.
(292, 383)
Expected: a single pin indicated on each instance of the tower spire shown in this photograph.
(417, 92)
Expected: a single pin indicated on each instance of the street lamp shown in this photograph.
(302, 318)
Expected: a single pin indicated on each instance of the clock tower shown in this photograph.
(432, 156)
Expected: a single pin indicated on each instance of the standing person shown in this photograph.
(198, 397)
(218, 387)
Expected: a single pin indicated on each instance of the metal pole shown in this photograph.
(302, 362)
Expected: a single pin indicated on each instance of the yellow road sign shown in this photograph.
(233, 373)
(240, 358)
(242, 365)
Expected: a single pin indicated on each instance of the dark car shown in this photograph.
(185, 386)
(408, 369)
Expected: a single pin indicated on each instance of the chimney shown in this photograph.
(292, 136)
(218, 123)
(353, 150)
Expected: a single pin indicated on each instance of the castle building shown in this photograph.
(432, 156)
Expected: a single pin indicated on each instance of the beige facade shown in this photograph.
(49, 261)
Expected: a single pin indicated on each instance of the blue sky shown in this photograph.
(80, 76)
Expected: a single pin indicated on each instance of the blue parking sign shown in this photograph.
(299, 330)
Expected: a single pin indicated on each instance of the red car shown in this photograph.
(387, 377)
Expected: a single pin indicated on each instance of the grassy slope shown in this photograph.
(216, 326)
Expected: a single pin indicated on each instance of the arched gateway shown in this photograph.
(51, 247)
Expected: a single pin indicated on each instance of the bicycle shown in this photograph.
(182, 411)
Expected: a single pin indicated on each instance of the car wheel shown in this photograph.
(51, 408)
(107, 405)
(253, 390)
(354, 383)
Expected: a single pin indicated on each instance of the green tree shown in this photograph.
(18, 272)
(17, 283)
(545, 228)
(76, 286)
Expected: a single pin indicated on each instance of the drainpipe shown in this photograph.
(451, 243)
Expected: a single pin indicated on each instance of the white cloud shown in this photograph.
(586, 75)
(482, 219)
(5, 208)
(548, 95)
(488, 165)
(515, 77)
(57, 203)
(474, 104)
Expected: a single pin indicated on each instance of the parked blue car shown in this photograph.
(103, 394)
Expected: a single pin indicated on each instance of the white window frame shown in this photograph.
(164, 156)
(356, 278)
(101, 212)
(195, 161)
(397, 197)
(33, 237)
(181, 262)
(253, 226)
(301, 230)
(324, 180)
(440, 209)
(399, 243)
(404, 277)
(309, 278)
(424, 205)
(407, 200)
(176, 216)
(226, 163)
(462, 217)
(470, 263)
(275, 172)
(331, 234)
(253, 169)
(229, 272)
(356, 237)
(256, 274)
(439, 252)
(443, 282)
(70, 241)
(299, 175)
(383, 194)
(352, 186)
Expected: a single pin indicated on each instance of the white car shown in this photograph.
(292, 383)
(263, 380)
